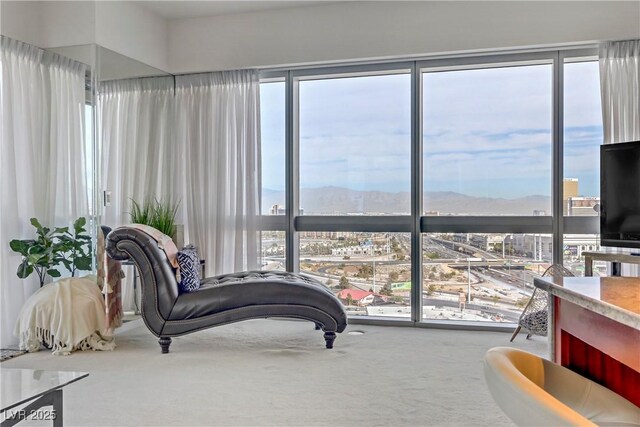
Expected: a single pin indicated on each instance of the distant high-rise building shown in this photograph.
(277, 210)
(582, 206)
(569, 190)
(281, 210)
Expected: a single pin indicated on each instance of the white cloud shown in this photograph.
(482, 128)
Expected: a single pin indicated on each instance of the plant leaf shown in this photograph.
(78, 226)
(36, 224)
(83, 263)
(24, 269)
(53, 272)
(36, 249)
(20, 246)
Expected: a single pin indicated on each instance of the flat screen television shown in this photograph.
(620, 194)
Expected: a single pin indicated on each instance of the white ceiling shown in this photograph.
(193, 9)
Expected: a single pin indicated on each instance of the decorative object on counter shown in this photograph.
(534, 317)
(52, 248)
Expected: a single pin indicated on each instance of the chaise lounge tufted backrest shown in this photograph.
(159, 287)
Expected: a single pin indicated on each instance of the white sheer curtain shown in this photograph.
(218, 118)
(66, 196)
(41, 158)
(140, 154)
(620, 90)
(141, 157)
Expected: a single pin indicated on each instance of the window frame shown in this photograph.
(417, 223)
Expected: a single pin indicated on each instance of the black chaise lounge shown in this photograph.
(221, 299)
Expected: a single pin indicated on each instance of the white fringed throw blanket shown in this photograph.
(66, 315)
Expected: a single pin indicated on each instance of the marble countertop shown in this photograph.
(617, 298)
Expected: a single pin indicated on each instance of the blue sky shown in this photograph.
(486, 132)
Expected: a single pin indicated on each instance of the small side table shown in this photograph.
(130, 263)
(614, 259)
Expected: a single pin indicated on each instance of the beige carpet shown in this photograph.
(277, 372)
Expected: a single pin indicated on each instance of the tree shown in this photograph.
(495, 299)
(431, 289)
(386, 290)
(393, 276)
(365, 271)
(344, 283)
(349, 299)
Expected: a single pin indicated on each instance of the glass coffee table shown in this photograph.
(40, 388)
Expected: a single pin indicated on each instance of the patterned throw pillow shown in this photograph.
(189, 269)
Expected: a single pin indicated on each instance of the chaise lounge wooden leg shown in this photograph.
(329, 337)
(515, 333)
(165, 342)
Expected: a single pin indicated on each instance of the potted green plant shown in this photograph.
(159, 214)
(73, 249)
(52, 247)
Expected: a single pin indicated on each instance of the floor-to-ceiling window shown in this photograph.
(582, 136)
(354, 143)
(487, 128)
(430, 190)
(273, 129)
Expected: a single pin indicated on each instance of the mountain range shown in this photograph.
(342, 201)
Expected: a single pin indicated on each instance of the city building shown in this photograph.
(538, 247)
(582, 206)
(360, 250)
(359, 297)
(281, 210)
(575, 204)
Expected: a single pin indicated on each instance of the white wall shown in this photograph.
(133, 31)
(123, 27)
(314, 34)
(361, 30)
(67, 23)
(21, 20)
(49, 23)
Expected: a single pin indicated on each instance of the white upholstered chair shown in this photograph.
(536, 392)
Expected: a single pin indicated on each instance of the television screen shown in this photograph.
(620, 194)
